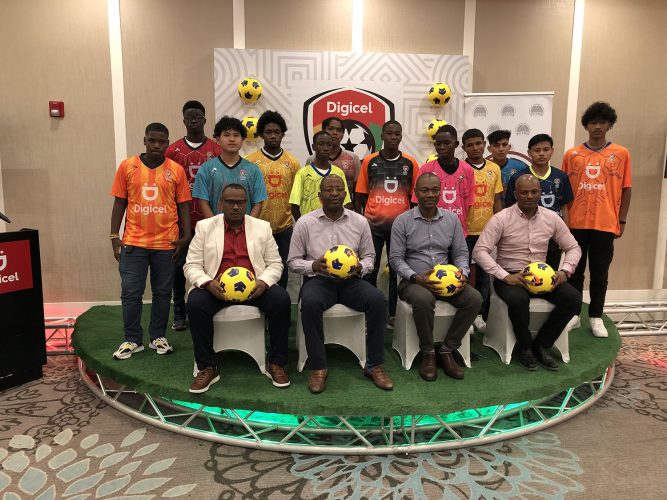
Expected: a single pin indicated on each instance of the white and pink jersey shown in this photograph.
(457, 189)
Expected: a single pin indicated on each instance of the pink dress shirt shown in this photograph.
(521, 240)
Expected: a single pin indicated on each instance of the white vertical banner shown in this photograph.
(524, 114)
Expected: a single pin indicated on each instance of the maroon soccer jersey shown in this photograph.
(191, 159)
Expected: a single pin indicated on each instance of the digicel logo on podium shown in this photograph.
(362, 112)
(15, 268)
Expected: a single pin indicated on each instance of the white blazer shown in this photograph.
(205, 253)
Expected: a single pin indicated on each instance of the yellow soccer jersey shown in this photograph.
(307, 187)
(279, 174)
(488, 183)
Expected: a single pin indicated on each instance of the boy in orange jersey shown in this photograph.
(600, 173)
(153, 194)
(384, 188)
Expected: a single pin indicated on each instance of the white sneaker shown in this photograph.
(126, 350)
(575, 322)
(479, 324)
(598, 328)
(161, 345)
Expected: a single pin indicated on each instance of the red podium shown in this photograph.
(23, 349)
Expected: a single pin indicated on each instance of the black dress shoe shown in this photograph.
(544, 358)
(527, 360)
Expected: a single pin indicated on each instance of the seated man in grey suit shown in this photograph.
(421, 238)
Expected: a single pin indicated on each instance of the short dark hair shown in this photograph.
(448, 129)
(321, 132)
(536, 139)
(233, 186)
(324, 179)
(156, 127)
(426, 176)
(229, 123)
(271, 117)
(327, 121)
(472, 133)
(391, 122)
(498, 135)
(599, 111)
(194, 105)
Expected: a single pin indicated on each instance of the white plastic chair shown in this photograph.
(342, 326)
(240, 328)
(406, 340)
(499, 334)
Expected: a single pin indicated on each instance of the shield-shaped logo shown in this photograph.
(3, 262)
(548, 200)
(390, 185)
(362, 112)
(592, 171)
(449, 196)
(193, 169)
(149, 193)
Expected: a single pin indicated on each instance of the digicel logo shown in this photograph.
(148, 209)
(15, 269)
(349, 108)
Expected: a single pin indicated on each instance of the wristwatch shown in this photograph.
(413, 278)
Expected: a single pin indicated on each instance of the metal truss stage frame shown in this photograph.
(349, 435)
(638, 318)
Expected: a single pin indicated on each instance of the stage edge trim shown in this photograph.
(345, 435)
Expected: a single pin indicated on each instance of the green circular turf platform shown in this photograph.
(489, 382)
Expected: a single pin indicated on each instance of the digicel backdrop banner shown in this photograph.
(15, 266)
(363, 89)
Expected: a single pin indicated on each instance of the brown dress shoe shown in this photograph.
(204, 379)
(428, 369)
(452, 369)
(317, 381)
(380, 377)
(278, 375)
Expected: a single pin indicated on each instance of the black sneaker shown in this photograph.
(544, 358)
(179, 324)
(527, 360)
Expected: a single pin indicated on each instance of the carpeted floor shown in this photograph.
(58, 441)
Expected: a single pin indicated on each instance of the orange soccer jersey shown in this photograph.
(151, 218)
(598, 179)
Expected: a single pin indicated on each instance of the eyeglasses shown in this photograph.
(232, 203)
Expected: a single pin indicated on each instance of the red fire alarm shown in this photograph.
(56, 109)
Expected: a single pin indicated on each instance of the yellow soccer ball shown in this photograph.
(542, 278)
(439, 94)
(341, 261)
(237, 284)
(433, 127)
(250, 90)
(250, 123)
(449, 277)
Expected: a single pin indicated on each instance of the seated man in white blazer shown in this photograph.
(223, 241)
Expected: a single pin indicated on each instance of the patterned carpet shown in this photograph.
(57, 440)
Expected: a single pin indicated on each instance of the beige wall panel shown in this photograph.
(299, 24)
(628, 68)
(522, 46)
(57, 172)
(168, 59)
(425, 27)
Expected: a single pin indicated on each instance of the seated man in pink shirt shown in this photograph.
(521, 234)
